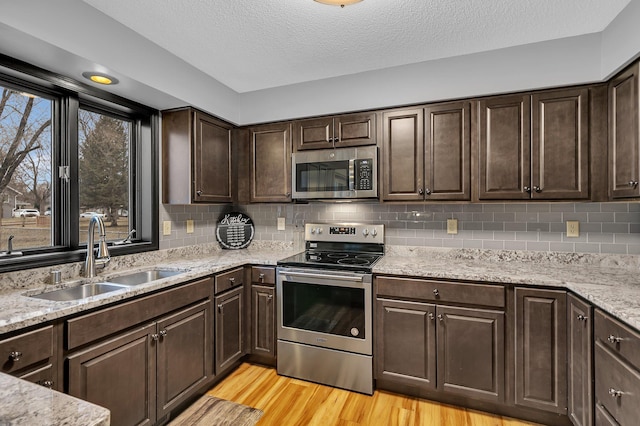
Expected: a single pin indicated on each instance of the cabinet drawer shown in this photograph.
(263, 275)
(440, 291)
(42, 376)
(26, 349)
(102, 323)
(619, 338)
(617, 386)
(228, 280)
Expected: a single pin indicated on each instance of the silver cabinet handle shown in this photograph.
(220, 307)
(420, 191)
(614, 339)
(582, 318)
(199, 192)
(232, 280)
(15, 356)
(633, 183)
(436, 293)
(441, 317)
(155, 336)
(615, 393)
(261, 278)
(163, 333)
(431, 316)
(537, 189)
(270, 297)
(427, 191)
(46, 383)
(527, 189)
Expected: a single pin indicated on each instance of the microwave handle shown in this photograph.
(352, 175)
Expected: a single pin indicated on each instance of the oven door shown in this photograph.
(325, 308)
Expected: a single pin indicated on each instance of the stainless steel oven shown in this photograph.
(324, 315)
(335, 173)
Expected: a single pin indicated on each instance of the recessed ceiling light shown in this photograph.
(100, 78)
(340, 3)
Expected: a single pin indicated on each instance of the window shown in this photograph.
(65, 156)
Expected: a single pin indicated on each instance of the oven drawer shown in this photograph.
(440, 291)
(228, 280)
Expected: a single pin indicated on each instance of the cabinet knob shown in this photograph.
(199, 192)
(420, 191)
(163, 333)
(436, 293)
(232, 280)
(537, 189)
(427, 191)
(527, 189)
(220, 307)
(614, 339)
(582, 318)
(45, 383)
(261, 278)
(633, 183)
(615, 393)
(270, 297)
(155, 336)
(431, 316)
(15, 356)
(440, 317)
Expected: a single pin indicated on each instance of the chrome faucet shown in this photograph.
(103, 257)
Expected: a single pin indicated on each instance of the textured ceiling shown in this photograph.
(256, 44)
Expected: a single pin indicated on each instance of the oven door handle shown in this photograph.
(303, 275)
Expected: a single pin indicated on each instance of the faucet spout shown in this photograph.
(103, 256)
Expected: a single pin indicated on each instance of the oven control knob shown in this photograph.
(365, 232)
(319, 231)
(374, 232)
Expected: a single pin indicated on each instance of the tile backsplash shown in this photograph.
(604, 227)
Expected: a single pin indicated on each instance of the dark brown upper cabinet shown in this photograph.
(426, 153)
(535, 146)
(196, 158)
(335, 132)
(270, 163)
(624, 134)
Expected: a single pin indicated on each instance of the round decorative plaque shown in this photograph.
(234, 230)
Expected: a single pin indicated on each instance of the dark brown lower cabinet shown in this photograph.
(579, 362)
(541, 349)
(263, 315)
(229, 340)
(142, 374)
(456, 350)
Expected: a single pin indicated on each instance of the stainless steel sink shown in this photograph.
(79, 292)
(143, 277)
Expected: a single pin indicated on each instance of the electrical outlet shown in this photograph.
(166, 227)
(452, 226)
(573, 228)
(281, 224)
(190, 226)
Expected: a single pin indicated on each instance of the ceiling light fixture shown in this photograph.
(340, 3)
(100, 78)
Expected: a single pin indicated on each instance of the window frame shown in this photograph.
(70, 96)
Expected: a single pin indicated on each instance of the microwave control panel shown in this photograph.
(363, 171)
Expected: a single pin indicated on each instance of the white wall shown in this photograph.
(621, 40)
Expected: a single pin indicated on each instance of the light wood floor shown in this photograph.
(287, 401)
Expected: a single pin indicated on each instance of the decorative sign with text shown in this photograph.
(235, 230)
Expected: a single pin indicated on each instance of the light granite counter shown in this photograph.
(28, 404)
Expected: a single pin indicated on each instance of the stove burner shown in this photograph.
(366, 256)
(337, 255)
(353, 261)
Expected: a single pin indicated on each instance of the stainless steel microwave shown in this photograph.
(341, 173)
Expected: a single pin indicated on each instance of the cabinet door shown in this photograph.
(271, 163)
(560, 144)
(541, 349)
(229, 328)
(263, 327)
(119, 374)
(211, 160)
(471, 352)
(504, 149)
(579, 362)
(314, 133)
(405, 347)
(447, 152)
(355, 130)
(403, 155)
(184, 355)
(624, 134)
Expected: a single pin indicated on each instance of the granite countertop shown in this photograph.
(37, 405)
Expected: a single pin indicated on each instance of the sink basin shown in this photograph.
(143, 277)
(80, 292)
